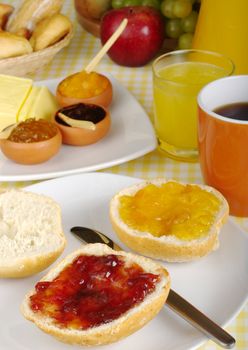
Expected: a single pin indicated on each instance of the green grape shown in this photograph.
(182, 8)
(173, 28)
(151, 3)
(131, 2)
(116, 4)
(189, 22)
(167, 8)
(185, 41)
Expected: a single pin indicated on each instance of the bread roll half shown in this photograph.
(109, 331)
(31, 235)
(169, 247)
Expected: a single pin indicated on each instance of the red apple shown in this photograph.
(142, 38)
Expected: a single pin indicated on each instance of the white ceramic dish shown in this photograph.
(216, 284)
(131, 136)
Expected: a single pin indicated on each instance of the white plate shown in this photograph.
(131, 136)
(216, 284)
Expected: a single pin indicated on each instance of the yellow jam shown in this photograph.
(83, 85)
(184, 211)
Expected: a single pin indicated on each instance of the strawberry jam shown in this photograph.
(93, 290)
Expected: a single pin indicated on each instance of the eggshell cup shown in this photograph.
(103, 99)
(82, 136)
(31, 153)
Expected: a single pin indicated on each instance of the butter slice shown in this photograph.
(40, 104)
(20, 100)
(13, 95)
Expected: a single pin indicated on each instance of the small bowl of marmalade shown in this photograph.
(82, 124)
(31, 141)
(93, 87)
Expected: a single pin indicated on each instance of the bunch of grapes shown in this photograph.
(181, 17)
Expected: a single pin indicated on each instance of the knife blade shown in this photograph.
(174, 301)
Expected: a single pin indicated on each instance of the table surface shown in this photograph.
(139, 82)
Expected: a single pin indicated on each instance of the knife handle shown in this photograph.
(200, 321)
(90, 235)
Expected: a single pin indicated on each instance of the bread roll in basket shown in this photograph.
(30, 63)
(42, 28)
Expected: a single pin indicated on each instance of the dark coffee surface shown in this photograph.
(237, 111)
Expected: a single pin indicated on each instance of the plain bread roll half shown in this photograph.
(31, 234)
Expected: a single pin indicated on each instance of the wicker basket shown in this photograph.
(30, 63)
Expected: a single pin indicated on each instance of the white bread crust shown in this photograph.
(167, 248)
(115, 330)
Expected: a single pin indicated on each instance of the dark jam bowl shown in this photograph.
(76, 136)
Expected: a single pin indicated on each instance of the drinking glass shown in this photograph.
(177, 79)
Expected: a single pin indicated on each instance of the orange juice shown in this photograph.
(222, 27)
(175, 89)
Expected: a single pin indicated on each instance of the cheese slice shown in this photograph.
(40, 104)
(20, 100)
(13, 94)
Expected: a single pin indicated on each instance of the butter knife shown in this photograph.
(174, 301)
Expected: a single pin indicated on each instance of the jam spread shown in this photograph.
(80, 111)
(184, 211)
(92, 290)
(32, 130)
(83, 85)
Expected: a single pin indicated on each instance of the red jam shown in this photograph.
(92, 290)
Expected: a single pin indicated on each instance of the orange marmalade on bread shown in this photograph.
(93, 290)
(184, 211)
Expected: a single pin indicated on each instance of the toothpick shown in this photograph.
(93, 63)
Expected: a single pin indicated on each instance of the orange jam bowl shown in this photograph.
(92, 88)
(32, 152)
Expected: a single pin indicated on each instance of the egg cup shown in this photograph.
(33, 152)
(76, 136)
(103, 99)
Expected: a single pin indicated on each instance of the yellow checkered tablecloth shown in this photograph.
(138, 81)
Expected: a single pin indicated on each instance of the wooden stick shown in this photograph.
(84, 124)
(90, 67)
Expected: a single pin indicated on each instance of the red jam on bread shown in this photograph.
(93, 290)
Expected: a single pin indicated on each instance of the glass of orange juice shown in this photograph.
(178, 77)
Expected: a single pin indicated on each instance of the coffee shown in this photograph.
(238, 111)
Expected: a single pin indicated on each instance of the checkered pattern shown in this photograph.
(139, 81)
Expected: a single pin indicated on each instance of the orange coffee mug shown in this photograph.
(223, 139)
